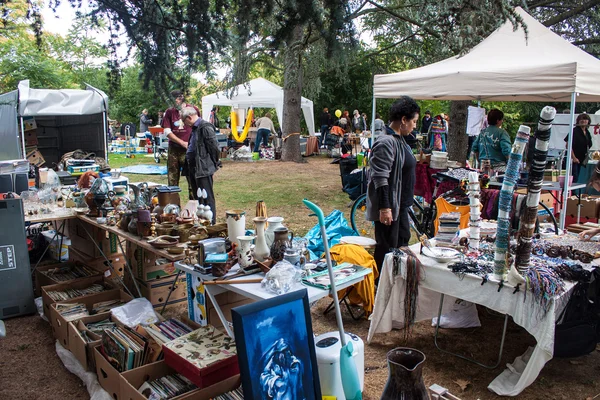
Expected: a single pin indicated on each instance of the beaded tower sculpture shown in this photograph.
(534, 187)
(505, 202)
(475, 213)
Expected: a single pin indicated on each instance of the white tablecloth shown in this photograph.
(437, 279)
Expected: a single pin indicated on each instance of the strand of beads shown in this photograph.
(475, 212)
(505, 202)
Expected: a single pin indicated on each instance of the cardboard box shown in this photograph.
(588, 207)
(79, 284)
(147, 266)
(35, 158)
(43, 280)
(132, 380)
(109, 378)
(548, 200)
(116, 260)
(157, 291)
(82, 242)
(31, 138)
(82, 350)
(60, 326)
(551, 175)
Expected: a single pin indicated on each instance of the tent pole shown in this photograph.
(23, 137)
(373, 119)
(563, 211)
(105, 133)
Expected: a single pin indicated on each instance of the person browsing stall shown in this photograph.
(582, 141)
(145, 121)
(202, 156)
(493, 144)
(265, 127)
(179, 136)
(392, 179)
(325, 125)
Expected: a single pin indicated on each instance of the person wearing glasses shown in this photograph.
(179, 137)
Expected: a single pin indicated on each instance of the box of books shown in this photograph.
(157, 291)
(205, 356)
(108, 377)
(63, 312)
(66, 272)
(162, 381)
(71, 290)
(84, 335)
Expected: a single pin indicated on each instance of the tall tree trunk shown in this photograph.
(458, 140)
(292, 95)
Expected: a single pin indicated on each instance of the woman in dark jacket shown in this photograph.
(392, 179)
(582, 141)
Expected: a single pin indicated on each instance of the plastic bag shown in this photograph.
(281, 278)
(463, 315)
(136, 312)
(336, 227)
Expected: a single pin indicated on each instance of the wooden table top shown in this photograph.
(133, 239)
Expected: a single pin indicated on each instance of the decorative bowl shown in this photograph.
(175, 250)
(164, 241)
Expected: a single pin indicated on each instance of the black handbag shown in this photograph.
(576, 334)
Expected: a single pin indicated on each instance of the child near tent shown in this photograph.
(437, 134)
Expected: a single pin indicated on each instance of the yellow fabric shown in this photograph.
(443, 206)
(364, 291)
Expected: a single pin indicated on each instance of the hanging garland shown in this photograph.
(240, 138)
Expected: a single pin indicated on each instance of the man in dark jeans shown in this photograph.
(426, 124)
(325, 124)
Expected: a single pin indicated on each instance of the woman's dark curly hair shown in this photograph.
(404, 107)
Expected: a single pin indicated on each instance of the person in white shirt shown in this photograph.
(265, 127)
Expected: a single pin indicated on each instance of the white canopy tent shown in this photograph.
(258, 92)
(509, 65)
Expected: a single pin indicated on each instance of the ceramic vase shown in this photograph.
(274, 223)
(236, 224)
(132, 227)
(261, 250)
(245, 256)
(405, 375)
(280, 243)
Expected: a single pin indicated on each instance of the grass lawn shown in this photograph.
(282, 186)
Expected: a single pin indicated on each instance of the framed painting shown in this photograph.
(276, 349)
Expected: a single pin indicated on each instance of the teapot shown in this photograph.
(294, 256)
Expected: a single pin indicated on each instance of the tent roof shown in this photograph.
(51, 102)
(258, 92)
(506, 66)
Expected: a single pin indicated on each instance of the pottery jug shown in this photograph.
(280, 243)
(245, 256)
(132, 227)
(274, 223)
(125, 219)
(261, 250)
(405, 375)
(236, 224)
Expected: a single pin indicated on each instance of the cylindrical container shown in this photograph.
(274, 223)
(236, 224)
(144, 216)
(245, 256)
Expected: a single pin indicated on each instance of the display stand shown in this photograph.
(59, 222)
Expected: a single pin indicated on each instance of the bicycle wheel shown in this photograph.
(358, 218)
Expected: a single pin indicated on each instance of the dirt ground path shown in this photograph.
(30, 368)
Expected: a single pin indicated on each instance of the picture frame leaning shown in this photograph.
(276, 349)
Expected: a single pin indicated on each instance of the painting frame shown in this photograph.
(258, 351)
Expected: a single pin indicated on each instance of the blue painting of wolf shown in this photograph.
(278, 353)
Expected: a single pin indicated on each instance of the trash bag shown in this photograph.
(336, 227)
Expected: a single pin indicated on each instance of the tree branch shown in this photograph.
(586, 41)
(568, 14)
(410, 20)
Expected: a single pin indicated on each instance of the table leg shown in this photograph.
(111, 266)
(437, 327)
(224, 321)
(44, 253)
(128, 266)
(171, 291)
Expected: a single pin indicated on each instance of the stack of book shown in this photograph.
(105, 306)
(166, 387)
(448, 229)
(164, 332)
(67, 273)
(72, 311)
(126, 349)
(60, 295)
(237, 394)
(100, 326)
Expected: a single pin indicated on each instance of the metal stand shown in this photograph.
(111, 266)
(347, 304)
(437, 328)
(171, 291)
(59, 230)
(219, 312)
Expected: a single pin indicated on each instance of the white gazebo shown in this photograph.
(258, 92)
(509, 65)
